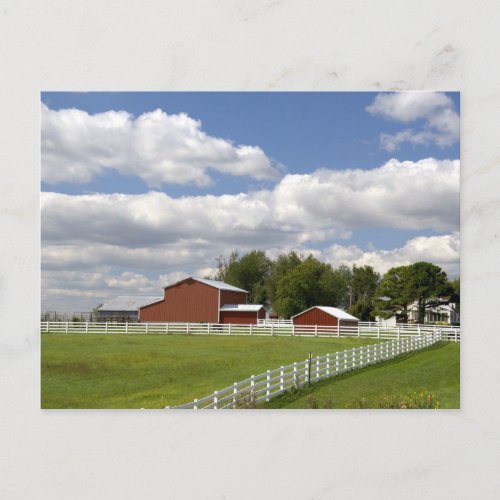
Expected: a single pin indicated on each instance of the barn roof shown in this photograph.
(128, 303)
(242, 307)
(216, 284)
(332, 311)
(220, 285)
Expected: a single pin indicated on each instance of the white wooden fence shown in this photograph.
(363, 330)
(272, 383)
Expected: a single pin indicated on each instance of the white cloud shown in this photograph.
(157, 147)
(441, 122)
(443, 251)
(315, 207)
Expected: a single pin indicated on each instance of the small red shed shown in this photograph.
(325, 316)
(242, 314)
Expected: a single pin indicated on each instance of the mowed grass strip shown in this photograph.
(132, 371)
(435, 371)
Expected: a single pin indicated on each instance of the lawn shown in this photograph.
(435, 371)
(133, 371)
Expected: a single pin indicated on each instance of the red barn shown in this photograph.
(199, 300)
(325, 316)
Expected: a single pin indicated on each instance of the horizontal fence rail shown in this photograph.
(363, 330)
(272, 383)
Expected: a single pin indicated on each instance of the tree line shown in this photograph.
(291, 283)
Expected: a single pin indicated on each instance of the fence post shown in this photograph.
(361, 357)
(338, 330)
(367, 355)
(282, 382)
(317, 367)
(293, 330)
(359, 333)
(215, 399)
(328, 365)
(187, 328)
(147, 327)
(229, 328)
(272, 329)
(345, 360)
(126, 327)
(195, 404)
(235, 390)
(268, 383)
(86, 327)
(336, 363)
(252, 384)
(378, 331)
(251, 329)
(166, 328)
(399, 332)
(208, 328)
(316, 330)
(67, 326)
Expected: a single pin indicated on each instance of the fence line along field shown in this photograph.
(154, 371)
(273, 383)
(283, 328)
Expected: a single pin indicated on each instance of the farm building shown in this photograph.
(123, 308)
(243, 314)
(325, 316)
(199, 300)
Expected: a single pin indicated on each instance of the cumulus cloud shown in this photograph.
(441, 123)
(155, 146)
(316, 207)
(443, 251)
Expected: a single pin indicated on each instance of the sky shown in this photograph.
(141, 189)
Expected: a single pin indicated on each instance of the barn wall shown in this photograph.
(231, 297)
(239, 317)
(188, 302)
(315, 317)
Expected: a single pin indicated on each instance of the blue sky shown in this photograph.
(260, 144)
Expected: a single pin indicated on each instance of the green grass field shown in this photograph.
(132, 371)
(435, 371)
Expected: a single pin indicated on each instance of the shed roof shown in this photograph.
(242, 307)
(128, 303)
(216, 284)
(332, 311)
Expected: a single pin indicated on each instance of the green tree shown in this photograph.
(279, 268)
(345, 273)
(250, 272)
(362, 309)
(364, 282)
(392, 295)
(223, 265)
(428, 285)
(361, 289)
(307, 284)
